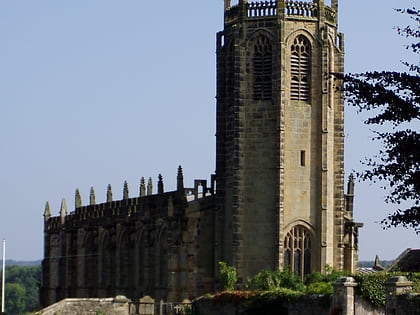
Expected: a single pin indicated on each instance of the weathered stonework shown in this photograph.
(280, 139)
(159, 245)
(277, 199)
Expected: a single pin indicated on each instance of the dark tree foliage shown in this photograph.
(392, 99)
(22, 288)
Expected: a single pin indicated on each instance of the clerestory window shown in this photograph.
(262, 65)
(297, 250)
(300, 66)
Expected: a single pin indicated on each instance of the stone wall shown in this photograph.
(115, 306)
(306, 305)
(344, 301)
(157, 244)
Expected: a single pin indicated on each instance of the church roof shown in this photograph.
(408, 261)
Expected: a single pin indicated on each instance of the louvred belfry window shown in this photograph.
(262, 62)
(300, 65)
(297, 250)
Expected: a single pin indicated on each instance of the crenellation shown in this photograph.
(306, 9)
(264, 10)
(107, 223)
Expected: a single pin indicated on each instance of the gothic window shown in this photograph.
(141, 256)
(124, 263)
(163, 259)
(262, 64)
(105, 262)
(300, 64)
(297, 250)
(90, 264)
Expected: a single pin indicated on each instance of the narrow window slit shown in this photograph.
(302, 158)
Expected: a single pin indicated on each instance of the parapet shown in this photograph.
(311, 10)
(146, 205)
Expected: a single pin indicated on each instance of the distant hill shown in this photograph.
(11, 262)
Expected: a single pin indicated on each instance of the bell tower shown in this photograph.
(280, 197)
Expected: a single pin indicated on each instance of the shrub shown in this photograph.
(320, 288)
(415, 278)
(372, 287)
(269, 280)
(329, 276)
(228, 276)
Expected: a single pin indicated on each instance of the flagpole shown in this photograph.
(3, 276)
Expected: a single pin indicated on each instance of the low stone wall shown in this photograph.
(108, 306)
(306, 305)
(363, 307)
(344, 301)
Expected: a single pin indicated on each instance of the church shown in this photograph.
(277, 200)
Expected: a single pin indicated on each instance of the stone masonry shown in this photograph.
(280, 197)
(277, 199)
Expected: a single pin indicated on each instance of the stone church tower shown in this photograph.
(280, 197)
(277, 199)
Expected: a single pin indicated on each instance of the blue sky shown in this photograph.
(97, 92)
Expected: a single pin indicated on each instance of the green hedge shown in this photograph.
(269, 285)
(372, 286)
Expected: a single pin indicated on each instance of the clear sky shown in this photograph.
(95, 92)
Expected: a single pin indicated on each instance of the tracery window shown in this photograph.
(297, 250)
(262, 65)
(141, 263)
(91, 264)
(300, 64)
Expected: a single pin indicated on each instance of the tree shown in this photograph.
(15, 298)
(392, 100)
(22, 288)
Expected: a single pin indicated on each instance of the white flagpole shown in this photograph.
(3, 276)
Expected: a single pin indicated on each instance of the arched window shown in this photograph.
(163, 260)
(262, 65)
(90, 276)
(141, 262)
(105, 262)
(300, 66)
(124, 260)
(297, 250)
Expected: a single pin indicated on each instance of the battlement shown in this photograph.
(272, 8)
(147, 205)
